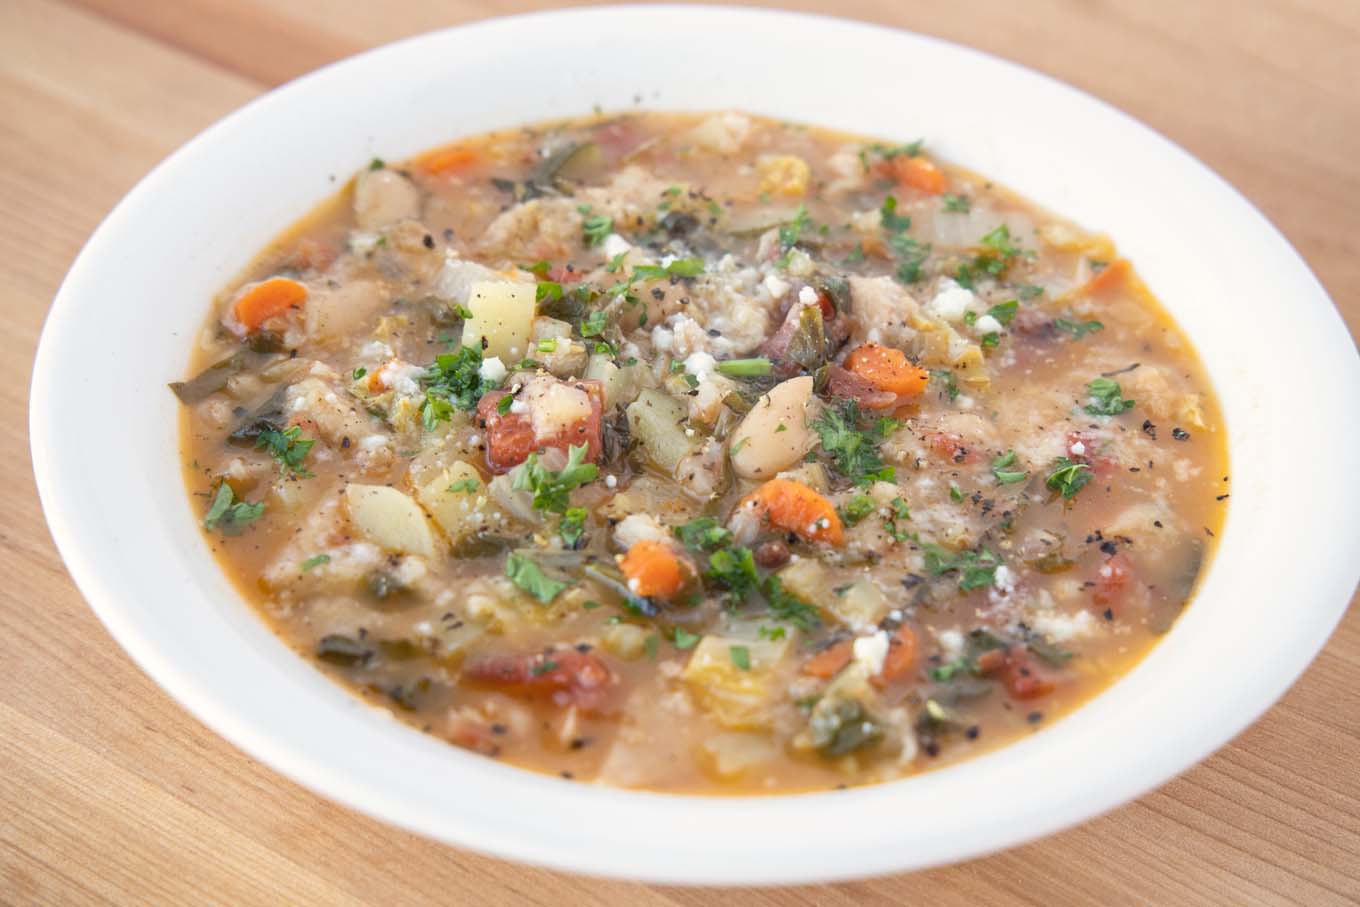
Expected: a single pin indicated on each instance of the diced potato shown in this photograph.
(625, 640)
(783, 174)
(807, 579)
(601, 368)
(460, 511)
(862, 605)
(775, 434)
(738, 699)
(503, 317)
(731, 755)
(656, 420)
(813, 475)
(388, 518)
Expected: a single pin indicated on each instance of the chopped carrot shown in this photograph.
(654, 570)
(267, 300)
(799, 509)
(1108, 278)
(887, 369)
(829, 662)
(901, 653)
(448, 160)
(918, 173)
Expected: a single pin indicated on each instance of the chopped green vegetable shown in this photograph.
(359, 373)
(229, 515)
(746, 368)
(573, 525)
(1106, 398)
(453, 380)
(288, 447)
(790, 233)
(1004, 475)
(684, 639)
(735, 570)
(504, 403)
(946, 378)
(315, 561)
(741, 657)
(957, 203)
(787, 607)
(975, 569)
(857, 508)
(595, 228)
(548, 291)
(1067, 477)
(528, 576)
(681, 267)
(854, 451)
(703, 534)
(1078, 329)
(892, 221)
(1004, 311)
(552, 490)
(466, 486)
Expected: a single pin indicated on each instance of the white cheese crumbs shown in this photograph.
(807, 296)
(951, 642)
(1060, 627)
(870, 651)
(373, 442)
(639, 527)
(700, 365)
(474, 440)
(776, 286)
(424, 628)
(987, 325)
(1005, 578)
(492, 369)
(964, 401)
(950, 302)
(611, 482)
(615, 245)
(1078, 449)
(519, 407)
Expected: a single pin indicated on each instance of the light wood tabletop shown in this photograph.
(109, 792)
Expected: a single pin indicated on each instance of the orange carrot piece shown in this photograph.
(919, 173)
(267, 300)
(653, 569)
(887, 369)
(799, 509)
(829, 662)
(1108, 278)
(447, 160)
(901, 653)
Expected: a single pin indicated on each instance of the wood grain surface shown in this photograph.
(109, 793)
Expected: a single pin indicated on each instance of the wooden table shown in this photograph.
(109, 792)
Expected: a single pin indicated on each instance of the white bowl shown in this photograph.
(104, 430)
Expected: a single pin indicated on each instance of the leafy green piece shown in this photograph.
(228, 515)
(572, 526)
(1004, 311)
(681, 267)
(703, 534)
(790, 233)
(892, 221)
(854, 451)
(975, 569)
(594, 324)
(1005, 475)
(595, 228)
(548, 291)
(999, 241)
(857, 508)
(1107, 399)
(948, 381)
(1067, 477)
(453, 380)
(735, 570)
(1078, 329)
(683, 639)
(789, 608)
(528, 576)
(911, 258)
(465, 486)
(552, 490)
(946, 672)
(957, 203)
(288, 447)
(314, 561)
(741, 657)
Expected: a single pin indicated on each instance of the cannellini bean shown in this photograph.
(775, 434)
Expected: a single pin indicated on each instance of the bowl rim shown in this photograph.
(708, 859)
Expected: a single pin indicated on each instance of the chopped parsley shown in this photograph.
(741, 657)
(1004, 311)
(857, 508)
(735, 570)
(790, 233)
(900, 513)
(288, 447)
(595, 228)
(1004, 474)
(1077, 329)
(358, 373)
(594, 324)
(1106, 398)
(464, 486)
(1067, 477)
(975, 569)
(892, 221)
(453, 380)
(853, 450)
(787, 607)
(573, 525)
(548, 291)
(229, 515)
(949, 383)
(315, 561)
(683, 639)
(552, 490)
(703, 534)
(957, 203)
(504, 403)
(528, 576)
(681, 267)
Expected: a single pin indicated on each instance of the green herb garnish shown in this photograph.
(528, 576)
(229, 515)
(1106, 398)
(1067, 477)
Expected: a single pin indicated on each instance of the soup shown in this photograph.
(703, 453)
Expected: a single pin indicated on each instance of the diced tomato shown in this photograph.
(510, 437)
(916, 172)
(849, 386)
(901, 654)
(949, 446)
(1018, 672)
(565, 677)
(1112, 579)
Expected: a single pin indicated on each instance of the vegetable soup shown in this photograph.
(703, 453)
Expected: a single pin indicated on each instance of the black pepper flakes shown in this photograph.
(1180, 434)
(1149, 429)
(1034, 717)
